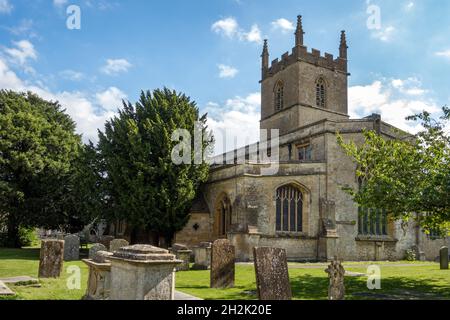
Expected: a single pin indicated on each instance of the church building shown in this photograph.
(303, 208)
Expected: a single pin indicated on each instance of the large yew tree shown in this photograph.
(408, 178)
(38, 147)
(144, 186)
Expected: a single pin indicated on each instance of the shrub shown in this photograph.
(410, 255)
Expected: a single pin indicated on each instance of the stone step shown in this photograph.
(5, 291)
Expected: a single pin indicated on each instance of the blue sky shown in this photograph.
(210, 49)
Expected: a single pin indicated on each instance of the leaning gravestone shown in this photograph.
(95, 248)
(443, 257)
(336, 274)
(143, 272)
(51, 258)
(71, 248)
(272, 275)
(222, 264)
(117, 244)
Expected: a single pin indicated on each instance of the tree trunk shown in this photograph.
(13, 240)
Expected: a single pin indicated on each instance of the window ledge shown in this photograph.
(375, 238)
(290, 235)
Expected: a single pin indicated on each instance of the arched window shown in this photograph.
(321, 93)
(223, 216)
(289, 209)
(279, 96)
(371, 222)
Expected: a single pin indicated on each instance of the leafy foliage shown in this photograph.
(142, 183)
(38, 147)
(410, 178)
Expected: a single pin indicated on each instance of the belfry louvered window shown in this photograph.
(279, 96)
(289, 209)
(321, 93)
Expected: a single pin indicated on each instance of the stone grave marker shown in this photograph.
(443, 258)
(336, 274)
(95, 248)
(51, 258)
(117, 244)
(71, 248)
(184, 254)
(272, 275)
(202, 256)
(143, 272)
(222, 264)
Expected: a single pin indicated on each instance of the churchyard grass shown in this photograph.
(417, 281)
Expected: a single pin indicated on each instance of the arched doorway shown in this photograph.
(223, 213)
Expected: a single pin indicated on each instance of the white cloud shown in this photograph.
(111, 99)
(227, 71)
(409, 6)
(116, 66)
(229, 28)
(394, 99)
(283, 24)
(5, 6)
(88, 113)
(445, 54)
(237, 119)
(22, 52)
(384, 34)
(254, 35)
(59, 3)
(72, 75)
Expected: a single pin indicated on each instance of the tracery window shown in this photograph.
(321, 93)
(289, 209)
(279, 96)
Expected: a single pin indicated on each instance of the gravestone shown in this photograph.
(116, 244)
(222, 264)
(143, 272)
(99, 281)
(336, 274)
(5, 291)
(71, 248)
(443, 257)
(202, 256)
(106, 241)
(95, 248)
(184, 254)
(272, 275)
(51, 258)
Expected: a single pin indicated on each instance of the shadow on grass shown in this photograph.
(308, 287)
(19, 254)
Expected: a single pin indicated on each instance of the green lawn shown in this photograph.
(416, 281)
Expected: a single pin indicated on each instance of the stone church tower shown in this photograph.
(303, 86)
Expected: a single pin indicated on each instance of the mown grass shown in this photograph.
(417, 281)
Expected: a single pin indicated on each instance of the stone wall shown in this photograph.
(197, 230)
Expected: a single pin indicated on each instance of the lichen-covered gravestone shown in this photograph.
(95, 248)
(443, 257)
(143, 272)
(99, 281)
(51, 258)
(222, 264)
(71, 248)
(117, 244)
(336, 274)
(272, 275)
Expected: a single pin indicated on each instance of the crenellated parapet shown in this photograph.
(301, 53)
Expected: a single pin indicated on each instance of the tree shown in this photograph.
(408, 178)
(144, 186)
(38, 146)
